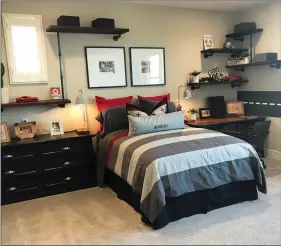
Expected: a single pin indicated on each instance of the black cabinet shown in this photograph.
(46, 165)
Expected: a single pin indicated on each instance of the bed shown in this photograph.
(169, 175)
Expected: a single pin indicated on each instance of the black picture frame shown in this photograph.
(131, 70)
(87, 70)
(201, 113)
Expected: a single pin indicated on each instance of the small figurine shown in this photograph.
(227, 44)
(25, 99)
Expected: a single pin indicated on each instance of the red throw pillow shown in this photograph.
(156, 98)
(103, 103)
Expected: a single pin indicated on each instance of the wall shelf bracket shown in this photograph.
(116, 37)
(208, 54)
(242, 69)
(195, 87)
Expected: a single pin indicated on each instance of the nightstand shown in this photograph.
(47, 165)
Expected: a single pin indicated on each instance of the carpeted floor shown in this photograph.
(96, 216)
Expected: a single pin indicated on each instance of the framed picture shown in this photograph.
(56, 128)
(208, 42)
(5, 134)
(25, 130)
(235, 108)
(55, 92)
(204, 113)
(147, 66)
(106, 67)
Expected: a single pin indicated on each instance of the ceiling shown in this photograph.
(207, 5)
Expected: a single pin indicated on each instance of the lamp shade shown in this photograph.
(187, 93)
(80, 98)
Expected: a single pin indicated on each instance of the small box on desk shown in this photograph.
(103, 23)
(65, 20)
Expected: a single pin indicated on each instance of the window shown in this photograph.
(25, 48)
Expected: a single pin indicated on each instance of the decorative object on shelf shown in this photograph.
(215, 74)
(204, 113)
(147, 66)
(235, 108)
(25, 129)
(106, 67)
(186, 94)
(65, 20)
(26, 99)
(81, 102)
(56, 127)
(55, 93)
(208, 42)
(195, 77)
(194, 113)
(5, 134)
(227, 44)
(232, 77)
(103, 23)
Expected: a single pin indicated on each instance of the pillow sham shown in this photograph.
(155, 98)
(103, 103)
(163, 122)
(146, 106)
(158, 109)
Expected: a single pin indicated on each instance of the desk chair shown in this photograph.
(257, 135)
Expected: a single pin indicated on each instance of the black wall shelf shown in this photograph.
(210, 52)
(59, 102)
(241, 67)
(240, 35)
(233, 83)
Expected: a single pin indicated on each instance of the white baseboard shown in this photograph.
(273, 154)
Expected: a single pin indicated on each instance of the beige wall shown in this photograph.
(264, 78)
(180, 31)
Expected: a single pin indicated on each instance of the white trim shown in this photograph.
(274, 154)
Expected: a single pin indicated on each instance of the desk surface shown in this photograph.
(223, 121)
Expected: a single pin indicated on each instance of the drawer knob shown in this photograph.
(67, 163)
(11, 188)
(8, 156)
(10, 172)
(68, 178)
(65, 148)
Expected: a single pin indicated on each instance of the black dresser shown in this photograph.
(46, 165)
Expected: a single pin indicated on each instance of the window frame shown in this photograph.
(18, 78)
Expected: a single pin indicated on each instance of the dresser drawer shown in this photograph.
(20, 151)
(63, 146)
(19, 166)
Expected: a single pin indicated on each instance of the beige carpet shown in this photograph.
(96, 216)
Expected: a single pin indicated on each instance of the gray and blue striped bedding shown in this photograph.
(172, 163)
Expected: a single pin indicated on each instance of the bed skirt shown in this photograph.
(198, 202)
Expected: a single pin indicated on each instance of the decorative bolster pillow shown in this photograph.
(164, 122)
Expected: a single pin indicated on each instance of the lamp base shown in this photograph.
(82, 131)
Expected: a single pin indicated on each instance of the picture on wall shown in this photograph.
(105, 67)
(147, 66)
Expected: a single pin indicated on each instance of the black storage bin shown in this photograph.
(245, 27)
(65, 20)
(103, 23)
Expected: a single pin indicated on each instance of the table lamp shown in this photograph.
(186, 95)
(81, 102)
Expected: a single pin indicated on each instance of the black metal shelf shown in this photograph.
(210, 52)
(233, 83)
(240, 35)
(241, 67)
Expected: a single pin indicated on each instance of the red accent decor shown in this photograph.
(108, 152)
(103, 103)
(155, 98)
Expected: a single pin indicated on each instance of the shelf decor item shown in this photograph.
(195, 77)
(215, 74)
(147, 66)
(204, 113)
(55, 93)
(208, 42)
(25, 129)
(105, 67)
(81, 102)
(194, 113)
(227, 44)
(5, 134)
(56, 127)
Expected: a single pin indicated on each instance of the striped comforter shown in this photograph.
(172, 163)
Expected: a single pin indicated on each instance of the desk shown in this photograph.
(213, 123)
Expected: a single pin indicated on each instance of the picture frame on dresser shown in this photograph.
(5, 134)
(56, 127)
(106, 66)
(147, 65)
(25, 130)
